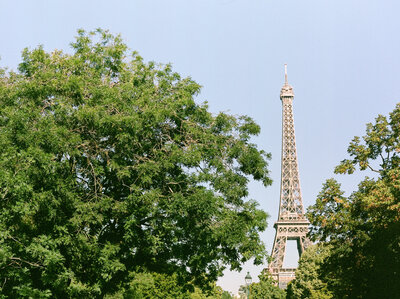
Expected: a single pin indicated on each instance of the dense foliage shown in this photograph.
(266, 288)
(162, 286)
(110, 170)
(308, 283)
(364, 228)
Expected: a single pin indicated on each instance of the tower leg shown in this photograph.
(284, 232)
(278, 252)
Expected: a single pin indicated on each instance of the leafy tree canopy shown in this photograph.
(109, 169)
(266, 288)
(163, 286)
(308, 284)
(364, 228)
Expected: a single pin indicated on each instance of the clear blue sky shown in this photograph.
(343, 61)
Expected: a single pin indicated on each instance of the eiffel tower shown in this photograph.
(292, 223)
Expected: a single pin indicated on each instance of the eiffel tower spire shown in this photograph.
(292, 223)
(286, 82)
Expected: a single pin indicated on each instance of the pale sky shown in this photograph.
(343, 62)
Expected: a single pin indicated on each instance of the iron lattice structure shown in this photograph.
(292, 223)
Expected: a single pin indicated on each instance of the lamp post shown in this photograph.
(248, 280)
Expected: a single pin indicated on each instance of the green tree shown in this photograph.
(364, 228)
(109, 169)
(226, 295)
(163, 286)
(308, 283)
(266, 288)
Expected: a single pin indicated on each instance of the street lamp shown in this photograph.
(248, 280)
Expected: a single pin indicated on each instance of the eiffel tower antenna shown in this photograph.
(292, 223)
(286, 82)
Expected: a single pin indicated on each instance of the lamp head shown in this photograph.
(248, 278)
